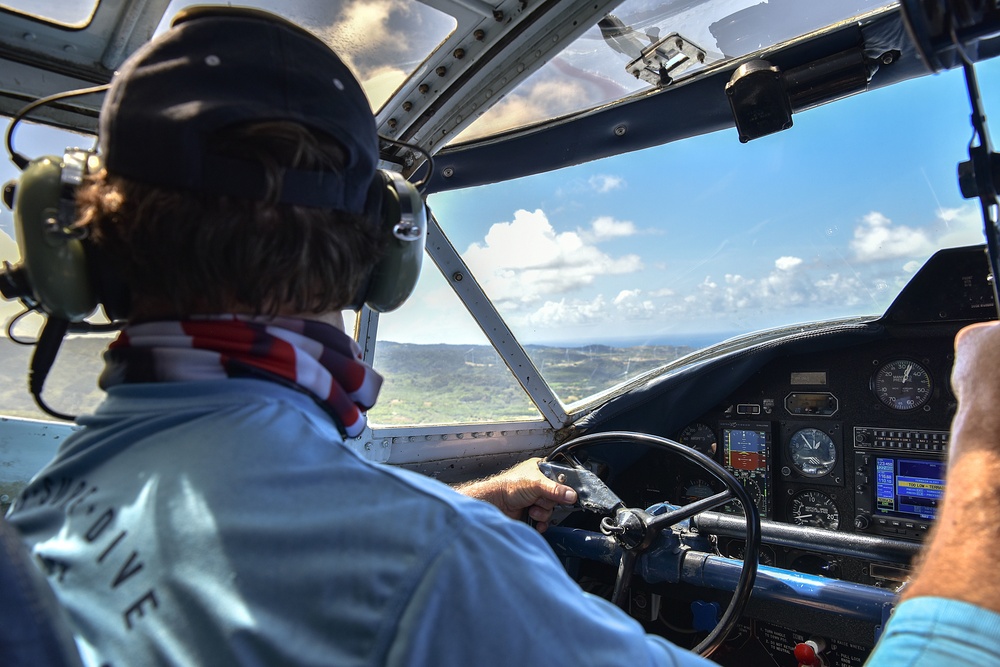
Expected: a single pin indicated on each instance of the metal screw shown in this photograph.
(497, 15)
(423, 88)
(561, 478)
(459, 54)
(480, 35)
(448, 172)
(392, 123)
(457, 277)
(620, 131)
(407, 106)
(441, 71)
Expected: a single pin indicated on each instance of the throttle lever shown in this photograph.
(592, 493)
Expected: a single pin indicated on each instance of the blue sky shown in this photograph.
(708, 235)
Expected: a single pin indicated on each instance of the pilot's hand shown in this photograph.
(976, 384)
(522, 491)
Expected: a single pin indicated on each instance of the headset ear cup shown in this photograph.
(55, 260)
(403, 216)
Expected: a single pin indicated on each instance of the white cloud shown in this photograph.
(563, 313)
(606, 227)
(876, 238)
(787, 263)
(625, 295)
(526, 260)
(603, 183)
(529, 104)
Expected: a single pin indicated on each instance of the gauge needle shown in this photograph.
(803, 516)
(906, 373)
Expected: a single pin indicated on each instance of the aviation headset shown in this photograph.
(62, 272)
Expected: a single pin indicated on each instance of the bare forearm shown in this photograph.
(958, 562)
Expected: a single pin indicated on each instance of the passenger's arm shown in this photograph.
(950, 611)
(521, 488)
(959, 560)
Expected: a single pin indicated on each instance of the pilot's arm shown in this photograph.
(522, 490)
(950, 611)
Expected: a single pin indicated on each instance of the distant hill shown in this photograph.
(425, 384)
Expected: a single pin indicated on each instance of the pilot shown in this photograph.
(208, 512)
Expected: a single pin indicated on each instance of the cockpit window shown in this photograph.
(613, 266)
(67, 13)
(439, 368)
(383, 40)
(648, 44)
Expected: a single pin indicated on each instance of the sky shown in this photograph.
(705, 237)
(713, 237)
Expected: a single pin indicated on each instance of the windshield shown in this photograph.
(611, 268)
(648, 44)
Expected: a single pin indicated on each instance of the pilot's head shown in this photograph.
(239, 152)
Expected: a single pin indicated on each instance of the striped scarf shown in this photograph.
(309, 356)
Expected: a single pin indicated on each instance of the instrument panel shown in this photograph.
(850, 440)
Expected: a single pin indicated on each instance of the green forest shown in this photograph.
(424, 384)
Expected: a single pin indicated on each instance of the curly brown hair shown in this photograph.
(181, 252)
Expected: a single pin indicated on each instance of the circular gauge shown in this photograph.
(816, 509)
(737, 549)
(812, 452)
(696, 489)
(756, 495)
(902, 384)
(700, 438)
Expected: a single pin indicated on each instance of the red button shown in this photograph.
(806, 655)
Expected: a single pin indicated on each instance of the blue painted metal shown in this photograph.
(670, 560)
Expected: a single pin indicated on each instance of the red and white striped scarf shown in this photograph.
(310, 356)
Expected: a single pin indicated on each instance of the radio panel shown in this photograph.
(899, 480)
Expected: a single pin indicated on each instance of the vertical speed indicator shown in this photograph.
(902, 384)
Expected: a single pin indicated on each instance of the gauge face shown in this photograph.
(902, 384)
(700, 438)
(696, 489)
(737, 550)
(812, 452)
(813, 508)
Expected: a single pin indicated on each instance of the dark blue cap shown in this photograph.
(218, 67)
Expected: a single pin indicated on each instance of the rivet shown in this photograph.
(620, 131)
(457, 277)
(497, 15)
(213, 60)
(423, 88)
(392, 123)
(459, 54)
(441, 71)
(480, 35)
(407, 106)
(448, 172)
(29, 36)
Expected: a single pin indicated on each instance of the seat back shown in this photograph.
(34, 631)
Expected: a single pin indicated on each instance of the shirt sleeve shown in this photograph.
(498, 596)
(938, 632)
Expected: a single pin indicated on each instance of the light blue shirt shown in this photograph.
(223, 522)
(935, 632)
